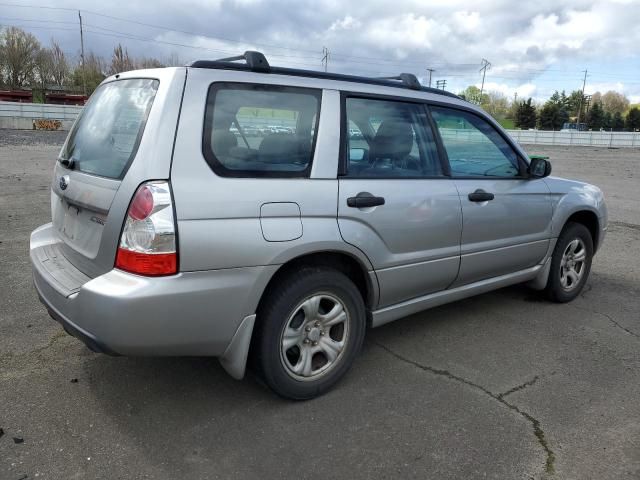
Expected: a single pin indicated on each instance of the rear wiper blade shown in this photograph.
(67, 163)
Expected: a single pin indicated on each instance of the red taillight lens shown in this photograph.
(148, 241)
(147, 263)
(142, 204)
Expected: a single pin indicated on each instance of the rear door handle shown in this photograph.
(364, 200)
(481, 196)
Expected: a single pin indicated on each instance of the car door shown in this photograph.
(395, 203)
(506, 215)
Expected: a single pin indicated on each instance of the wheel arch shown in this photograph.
(342, 261)
(589, 219)
(234, 359)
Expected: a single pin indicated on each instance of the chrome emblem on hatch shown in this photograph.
(64, 182)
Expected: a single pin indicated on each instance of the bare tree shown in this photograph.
(60, 74)
(43, 69)
(174, 60)
(148, 62)
(614, 102)
(120, 61)
(18, 52)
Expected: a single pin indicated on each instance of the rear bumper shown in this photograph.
(192, 313)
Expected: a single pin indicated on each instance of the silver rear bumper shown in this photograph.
(191, 313)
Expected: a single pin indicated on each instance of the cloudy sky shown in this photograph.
(534, 47)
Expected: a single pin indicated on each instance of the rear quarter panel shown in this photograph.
(219, 217)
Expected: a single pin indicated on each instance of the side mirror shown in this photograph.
(539, 167)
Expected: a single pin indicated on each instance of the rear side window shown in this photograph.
(106, 136)
(260, 130)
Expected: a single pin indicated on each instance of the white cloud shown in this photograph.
(346, 23)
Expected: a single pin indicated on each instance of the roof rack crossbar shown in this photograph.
(407, 79)
(256, 61)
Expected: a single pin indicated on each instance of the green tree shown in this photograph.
(92, 74)
(632, 122)
(618, 122)
(607, 121)
(573, 103)
(559, 99)
(525, 116)
(552, 116)
(595, 118)
(472, 94)
(496, 105)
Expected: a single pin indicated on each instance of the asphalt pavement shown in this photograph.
(505, 385)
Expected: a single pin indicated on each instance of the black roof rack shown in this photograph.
(256, 62)
(408, 79)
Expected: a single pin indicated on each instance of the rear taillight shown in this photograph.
(148, 241)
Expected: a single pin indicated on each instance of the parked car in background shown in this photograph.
(177, 236)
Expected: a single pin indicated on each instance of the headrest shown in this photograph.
(394, 139)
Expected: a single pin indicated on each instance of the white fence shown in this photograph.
(594, 139)
(39, 111)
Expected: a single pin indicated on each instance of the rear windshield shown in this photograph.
(106, 136)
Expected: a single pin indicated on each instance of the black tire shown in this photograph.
(279, 310)
(555, 291)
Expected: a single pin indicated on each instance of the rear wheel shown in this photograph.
(570, 263)
(309, 330)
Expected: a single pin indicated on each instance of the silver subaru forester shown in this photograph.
(234, 209)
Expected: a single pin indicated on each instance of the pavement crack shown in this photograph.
(519, 387)
(625, 225)
(610, 318)
(535, 423)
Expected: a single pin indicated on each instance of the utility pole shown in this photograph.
(441, 84)
(430, 70)
(515, 97)
(485, 65)
(584, 81)
(325, 57)
(84, 81)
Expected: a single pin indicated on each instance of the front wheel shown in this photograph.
(570, 263)
(309, 331)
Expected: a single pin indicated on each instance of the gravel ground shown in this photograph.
(31, 138)
(503, 385)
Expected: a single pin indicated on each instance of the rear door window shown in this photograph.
(106, 136)
(389, 139)
(260, 130)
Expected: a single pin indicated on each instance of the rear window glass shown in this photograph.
(106, 136)
(260, 130)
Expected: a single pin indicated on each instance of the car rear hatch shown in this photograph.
(123, 137)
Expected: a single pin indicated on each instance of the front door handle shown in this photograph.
(364, 200)
(481, 196)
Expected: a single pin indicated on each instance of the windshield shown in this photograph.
(106, 136)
